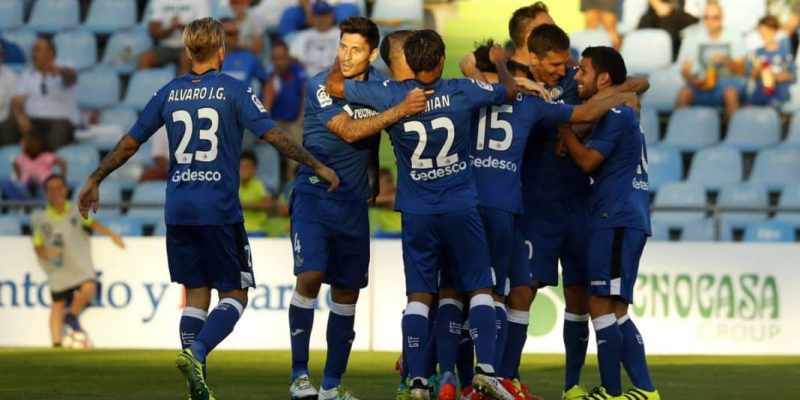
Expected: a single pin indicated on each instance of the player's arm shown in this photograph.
(587, 159)
(498, 56)
(352, 130)
(594, 109)
(90, 194)
(334, 85)
(283, 142)
(103, 230)
(469, 68)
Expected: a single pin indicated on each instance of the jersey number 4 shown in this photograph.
(442, 159)
(209, 135)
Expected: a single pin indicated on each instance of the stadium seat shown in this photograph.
(77, 48)
(705, 231)
(110, 193)
(269, 167)
(98, 88)
(790, 198)
(793, 135)
(648, 117)
(715, 167)
(632, 12)
(743, 14)
(109, 16)
(10, 226)
(149, 192)
(124, 48)
(754, 128)
(743, 195)
(769, 231)
(660, 232)
(692, 128)
(664, 86)
(123, 116)
(646, 50)
(7, 156)
(777, 167)
(24, 38)
(665, 165)
(793, 105)
(161, 229)
(586, 38)
(679, 194)
(402, 14)
(144, 84)
(51, 16)
(81, 161)
(124, 226)
(11, 14)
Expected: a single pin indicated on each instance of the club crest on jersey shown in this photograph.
(556, 92)
(314, 180)
(483, 85)
(323, 97)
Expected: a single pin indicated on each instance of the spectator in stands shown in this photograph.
(241, 63)
(166, 24)
(771, 66)
(602, 14)
(46, 101)
(159, 169)
(31, 168)
(669, 16)
(256, 201)
(388, 220)
(297, 18)
(251, 34)
(316, 47)
(792, 23)
(8, 84)
(62, 246)
(712, 63)
(283, 94)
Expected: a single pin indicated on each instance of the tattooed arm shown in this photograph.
(352, 130)
(90, 194)
(282, 141)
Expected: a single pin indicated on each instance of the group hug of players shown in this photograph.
(493, 187)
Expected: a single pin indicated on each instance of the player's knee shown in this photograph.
(575, 299)
(424, 298)
(601, 305)
(520, 297)
(344, 296)
(309, 283)
(89, 287)
(449, 293)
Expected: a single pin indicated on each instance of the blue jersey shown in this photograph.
(620, 192)
(205, 117)
(349, 160)
(779, 60)
(547, 176)
(432, 148)
(501, 135)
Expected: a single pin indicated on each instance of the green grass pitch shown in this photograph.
(241, 375)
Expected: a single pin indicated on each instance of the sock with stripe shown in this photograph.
(515, 342)
(465, 363)
(448, 333)
(415, 338)
(633, 354)
(501, 325)
(301, 320)
(609, 352)
(576, 340)
(218, 326)
(192, 321)
(340, 336)
(483, 331)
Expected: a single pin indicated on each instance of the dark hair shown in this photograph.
(770, 21)
(388, 49)
(280, 43)
(482, 60)
(54, 177)
(546, 38)
(423, 50)
(606, 59)
(48, 41)
(522, 15)
(364, 27)
(249, 155)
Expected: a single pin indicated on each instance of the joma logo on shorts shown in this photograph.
(597, 283)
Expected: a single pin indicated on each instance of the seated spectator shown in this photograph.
(602, 14)
(8, 84)
(297, 18)
(241, 63)
(256, 201)
(166, 24)
(46, 100)
(771, 66)
(388, 221)
(251, 33)
(283, 94)
(31, 169)
(316, 47)
(712, 63)
(159, 169)
(669, 16)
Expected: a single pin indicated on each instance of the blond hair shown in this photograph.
(203, 37)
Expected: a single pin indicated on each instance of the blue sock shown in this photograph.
(301, 320)
(404, 374)
(430, 352)
(609, 352)
(576, 339)
(483, 331)
(501, 325)
(415, 335)
(633, 356)
(340, 337)
(515, 342)
(466, 357)
(218, 326)
(192, 320)
(448, 333)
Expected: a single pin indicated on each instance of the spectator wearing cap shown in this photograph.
(316, 47)
(45, 101)
(250, 29)
(8, 83)
(770, 66)
(241, 63)
(299, 17)
(283, 94)
(166, 24)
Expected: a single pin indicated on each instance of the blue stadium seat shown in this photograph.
(777, 167)
(586, 38)
(660, 232)
(77, 48)
(51, 16)
(11, 14)
(664, 86)
(679, 194)
(769, 231)
(754, 128)
(269, 167)
(743, 195)
(10, 226)
(144, 84)
(793, 105)
(648, 118)
(665, 165)
(149, 192)
(124, 226)
(122, 116)
(98, 88)
(124, 48)
(715, 167)
(705, 231)
(81, 162)
(790, 198)
(646, 50)
(110, 193)
(793, 136)
(410, 12)
(161, 229)
(693, 128)
(109, 16)
(743, 14)
(7, 156)
(24, 38)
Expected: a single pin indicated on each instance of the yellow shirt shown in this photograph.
(252, 192)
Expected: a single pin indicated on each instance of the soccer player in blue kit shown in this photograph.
(619, 223)
(205, 113)
(330, 230)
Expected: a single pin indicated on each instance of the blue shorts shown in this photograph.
(557, 230)
(506, 249)
(215, 256)
(713, 97)
(613, 255)
(455, 239)
(331, 236)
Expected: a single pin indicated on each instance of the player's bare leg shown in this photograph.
(57, 321)
(81, 298)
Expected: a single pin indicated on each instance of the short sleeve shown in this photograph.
(252, 114)
(320, 103)
(150, 119)
(555, 113)
(608, 133)
(378, 95)
(483, 94)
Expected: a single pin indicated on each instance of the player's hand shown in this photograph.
(413, 103)
(89, 197)
(560, 147)
(117, 239)
(497, 54)
(329, 176)
(532, 88)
